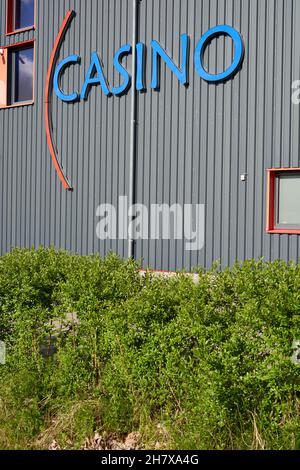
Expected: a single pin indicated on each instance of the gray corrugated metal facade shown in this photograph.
(193, 143)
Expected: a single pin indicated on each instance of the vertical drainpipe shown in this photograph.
(133, 149)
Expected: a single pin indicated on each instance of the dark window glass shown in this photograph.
(22, 62)
(24, 13)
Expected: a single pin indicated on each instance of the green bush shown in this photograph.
(203, 365)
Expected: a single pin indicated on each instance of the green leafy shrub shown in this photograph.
(202, 365)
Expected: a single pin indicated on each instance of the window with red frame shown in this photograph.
(17, 75)
(284, 201)
(20, 15)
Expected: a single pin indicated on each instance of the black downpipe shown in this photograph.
(133, 128)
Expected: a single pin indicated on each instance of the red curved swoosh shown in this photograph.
(48, 125)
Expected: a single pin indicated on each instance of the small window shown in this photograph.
(284, 201)
(288, 200)
(17, 70)
(21, 73)
(20, 15)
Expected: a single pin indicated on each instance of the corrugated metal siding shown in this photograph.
(92, 137)
(203, 138)
(193, 144)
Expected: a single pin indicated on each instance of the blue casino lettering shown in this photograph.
(96, 77)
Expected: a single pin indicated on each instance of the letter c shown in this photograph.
(72, 59)
(238, 53)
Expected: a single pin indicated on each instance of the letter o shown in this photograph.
(238, 53)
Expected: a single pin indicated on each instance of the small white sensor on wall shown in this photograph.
(1, 51)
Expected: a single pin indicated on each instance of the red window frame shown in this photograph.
(10, 5)
(271, 202)
(4, 75)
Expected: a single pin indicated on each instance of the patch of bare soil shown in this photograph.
(112, 442)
